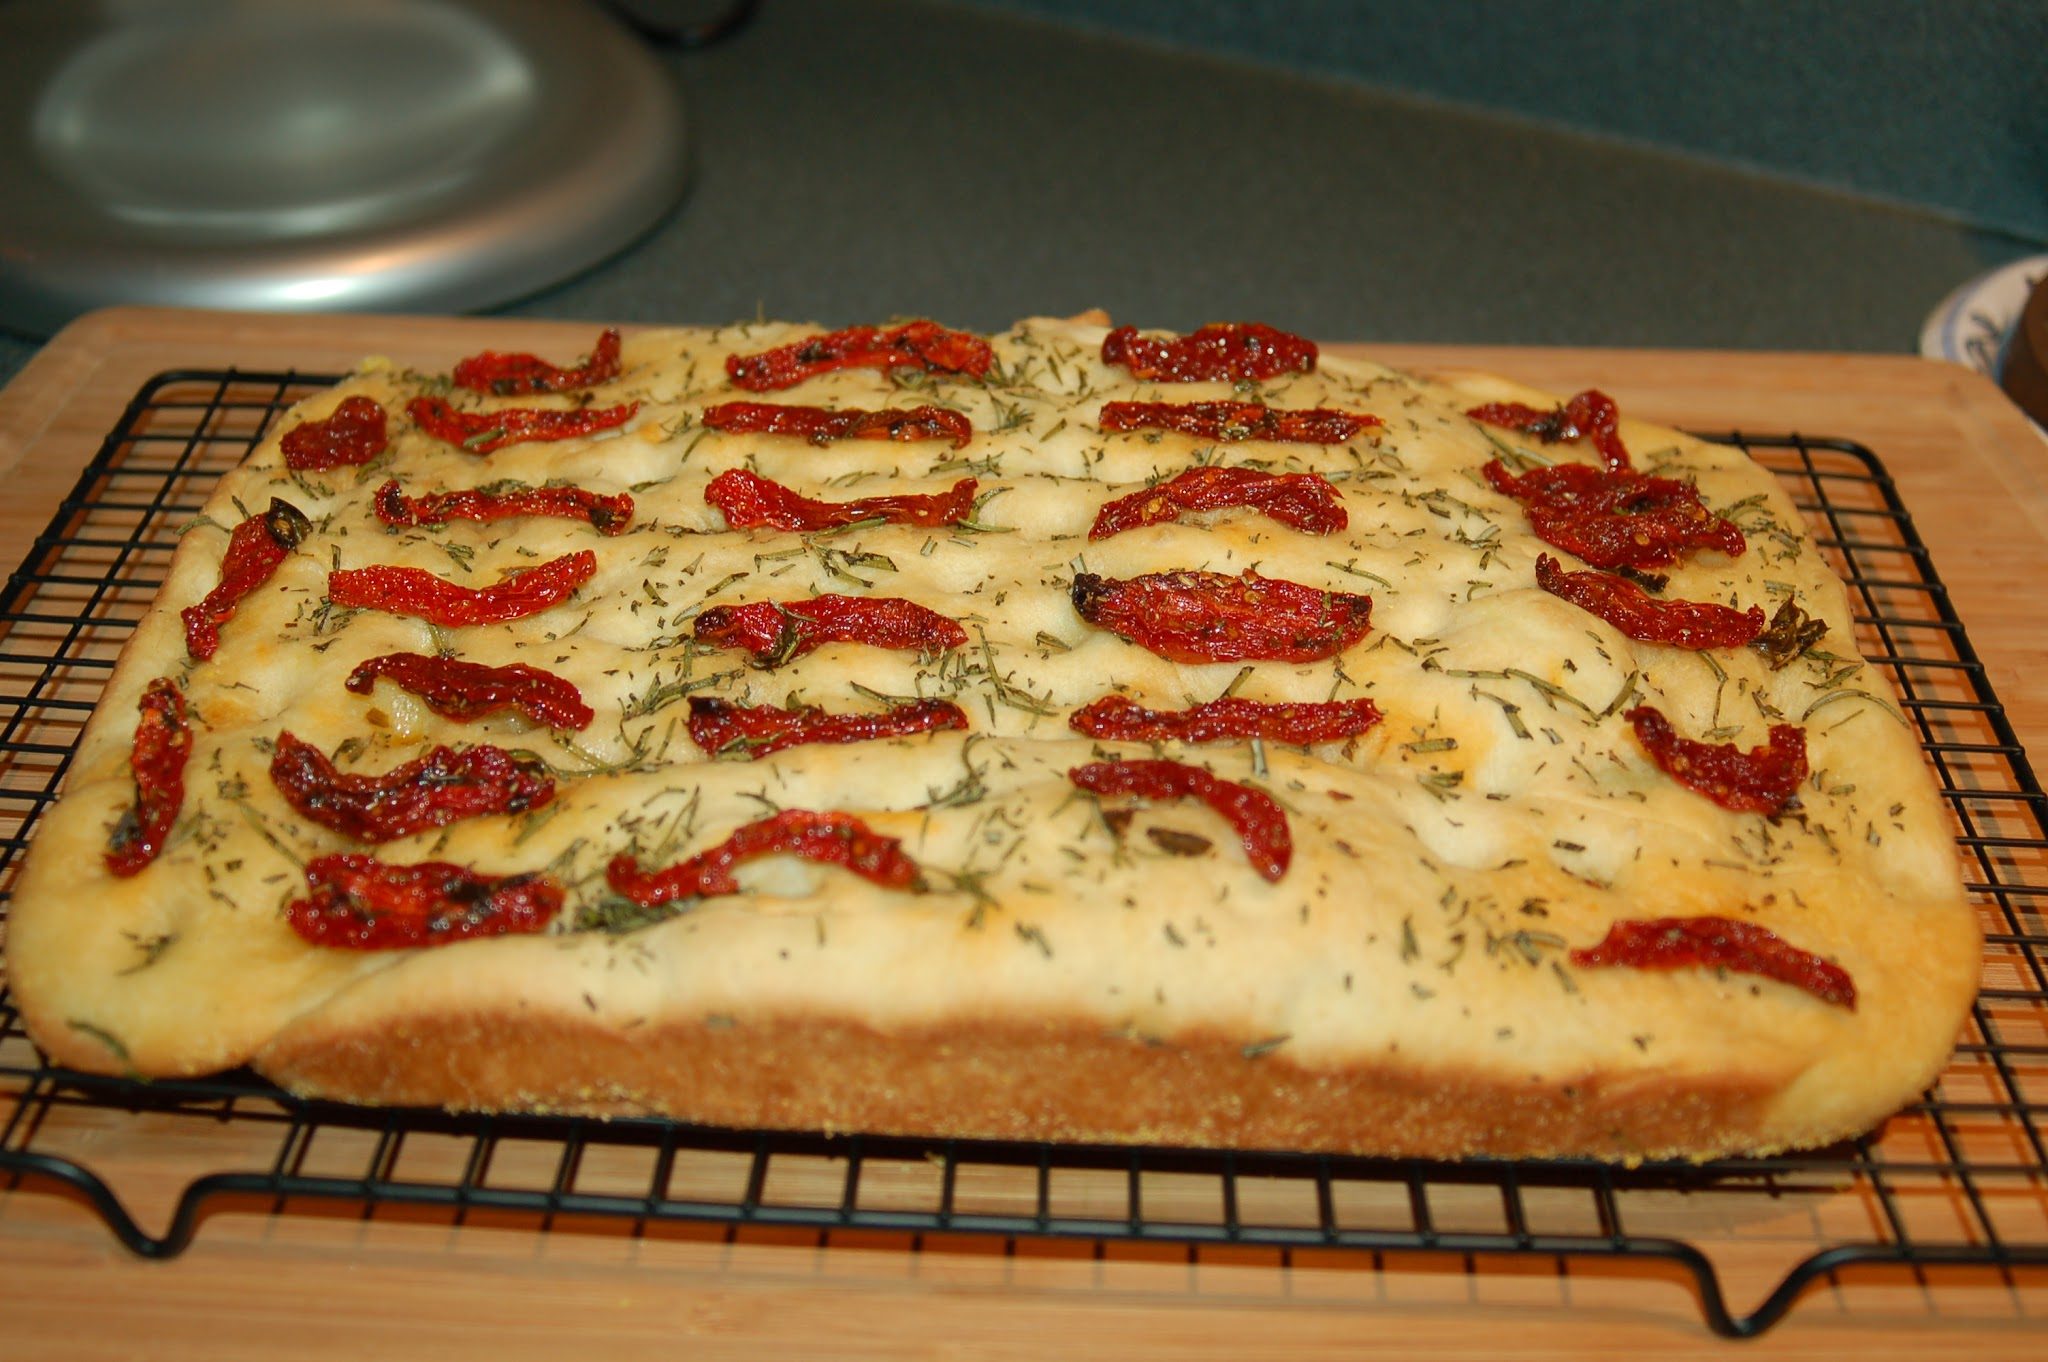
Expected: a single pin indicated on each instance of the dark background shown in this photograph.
(1798, 175)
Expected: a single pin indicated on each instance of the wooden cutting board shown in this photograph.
(321, 1282)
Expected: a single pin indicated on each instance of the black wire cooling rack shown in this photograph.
(1959, 1179)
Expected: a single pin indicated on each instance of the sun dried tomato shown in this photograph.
(915, 345)
(1668, 943)
(1261, 824)
(516, 375)
(163, 744)
(255, 548)
(357, 902)
(1616, 519)
(1230, 422)
(776, 631)
(1190, 616)
(1761, 780)
(607, 513)
(418, 592)
(1223, 352)
(467, 691)
(1697, 625)
(1118, 718)
(1300, 501)
(828, 838)
(751, 501)
(486, 432)
(822, 425)
(1590, 414)
(443, 787)
(353, 433)
(724, 729)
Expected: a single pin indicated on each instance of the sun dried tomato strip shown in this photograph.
(468, 691)
(725, 729)
(514, 375)
(751, 501)
(162, 746)
(443, 787)
(353, 433)
(1697, 625)
(1668, 943)
(1118, 718)
(776, 631)
(1189, 616)
(1261, 824)
(357, 902)
(486, 432)
(1224, 352)
(1616, 519)
(828, 838)
(1591, 414)
(607, 513)
(1300, 501)
(1761, 780)
(418, 592)
(255, 548)
(1231, 422)
(914, 345)
(823, 425)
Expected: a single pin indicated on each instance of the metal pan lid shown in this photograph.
(309, 155)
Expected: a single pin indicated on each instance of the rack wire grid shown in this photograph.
(1961, 1178)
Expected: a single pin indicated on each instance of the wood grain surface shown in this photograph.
(321, 1280)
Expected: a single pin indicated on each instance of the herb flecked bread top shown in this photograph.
(1069, 965)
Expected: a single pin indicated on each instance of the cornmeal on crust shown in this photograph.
(1405, 988)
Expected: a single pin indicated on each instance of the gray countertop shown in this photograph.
(855, 162)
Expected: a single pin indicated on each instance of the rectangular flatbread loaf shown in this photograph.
(1268, 750)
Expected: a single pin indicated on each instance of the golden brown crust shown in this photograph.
(1014, 1081)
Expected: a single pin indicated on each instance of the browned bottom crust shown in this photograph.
(1053, 1082)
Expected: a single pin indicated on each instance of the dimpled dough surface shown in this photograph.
(1404, 988)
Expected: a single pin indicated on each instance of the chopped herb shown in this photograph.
(1174, 842)
(661, 694)
(1622, 696)
(152, 947)
(724, 582)
(1835, 695)
(104, 1037)
(1791, 632)
(1011, 695)
(1266, 1047)
(615, 914)
(1548, 690)
(1355, 571)
(1530, 945)
(1511, 711)
(970, 789)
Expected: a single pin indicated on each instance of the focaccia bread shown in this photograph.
(1424, 976)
